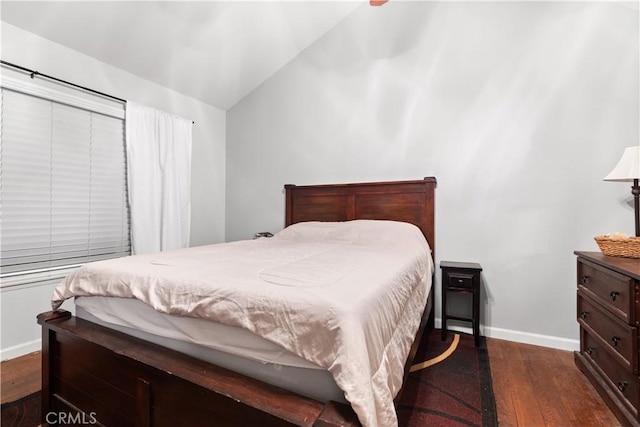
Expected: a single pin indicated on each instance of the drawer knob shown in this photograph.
(589, 350)
(613, 295)
(622, 385)
(584, 279)
(584, 315)
(615, 341)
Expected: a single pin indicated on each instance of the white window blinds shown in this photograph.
(63, 190)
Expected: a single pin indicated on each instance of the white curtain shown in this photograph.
(159, 179)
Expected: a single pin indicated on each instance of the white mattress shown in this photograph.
(226, 346)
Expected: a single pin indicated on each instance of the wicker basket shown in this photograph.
(628, 248)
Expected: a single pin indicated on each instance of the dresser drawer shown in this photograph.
(621, 382)
(622, 339)
(615, 291)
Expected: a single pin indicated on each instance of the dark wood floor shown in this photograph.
(539, 386)
(20, 377)
(534, 386)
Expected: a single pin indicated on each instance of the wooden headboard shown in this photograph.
(407, 201)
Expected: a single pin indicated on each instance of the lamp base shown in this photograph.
(635, 190)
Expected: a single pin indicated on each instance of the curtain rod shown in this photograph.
(33, 74)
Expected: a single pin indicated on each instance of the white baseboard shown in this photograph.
(519, 336)
(20, 350)
(534, 339)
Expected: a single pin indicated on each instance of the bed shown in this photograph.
(99, 371)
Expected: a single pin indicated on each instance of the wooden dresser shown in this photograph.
(609, 315)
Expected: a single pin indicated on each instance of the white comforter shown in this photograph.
(347, 296)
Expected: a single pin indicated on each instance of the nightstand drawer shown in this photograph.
(613, 290)
(460, 280)
(621, 338)
(621, 382)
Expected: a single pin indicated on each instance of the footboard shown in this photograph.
(92, 374)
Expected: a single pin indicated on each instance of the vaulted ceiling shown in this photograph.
(214, 51)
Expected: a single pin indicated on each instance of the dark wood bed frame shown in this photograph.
(92, 375)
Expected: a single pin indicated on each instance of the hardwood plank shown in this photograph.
(543, 387)
(20, 377)
(562, 375)
(543, 382)
(526, 407)
(502, 384)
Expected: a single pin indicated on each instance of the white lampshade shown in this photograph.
(628, 168)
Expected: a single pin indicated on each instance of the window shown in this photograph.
(63, 197)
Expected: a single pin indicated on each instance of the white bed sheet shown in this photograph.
(347, 297)
(135, 314)
(235, 349)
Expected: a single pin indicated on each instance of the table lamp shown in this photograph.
(627, 170)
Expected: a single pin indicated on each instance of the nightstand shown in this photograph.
(461, 277)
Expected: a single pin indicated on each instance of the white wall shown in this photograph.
(20, 333)
(518, 108)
